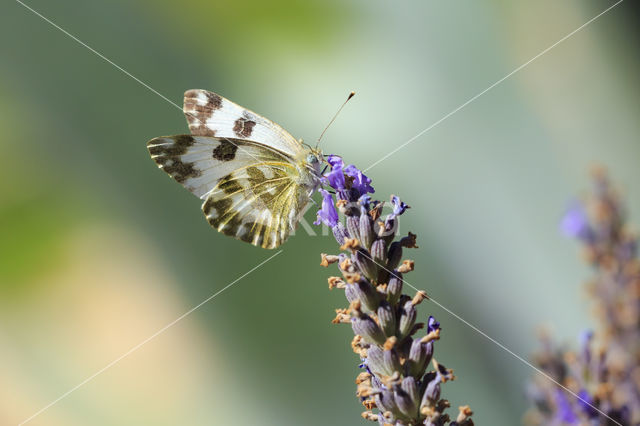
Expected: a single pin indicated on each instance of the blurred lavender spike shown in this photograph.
(395, 386)
(605, 369)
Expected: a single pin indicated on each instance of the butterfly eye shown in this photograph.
(312, 159)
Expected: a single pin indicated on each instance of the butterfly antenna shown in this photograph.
(351, 95)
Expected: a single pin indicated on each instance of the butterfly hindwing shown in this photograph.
(209, 114)
(251, 191)
(259, 204)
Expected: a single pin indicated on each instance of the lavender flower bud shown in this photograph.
(386, 402)
(363, 325)
(387, 319)
(366, 230)
(395, 255)
(407, 319)
(353, 226)
(375, 361)
(363, 261)
(419, 357)
(432, 391)
(391, 361)
(405, 403)
(394, 288)
(379, 255)
(407, 397)
(340, 233)
(351, 293)
(378, 251)
(367, 295)
(410, 386)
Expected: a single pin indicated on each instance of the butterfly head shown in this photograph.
(315, 157)
(314, 161)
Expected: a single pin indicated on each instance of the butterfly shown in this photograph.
(256, 179)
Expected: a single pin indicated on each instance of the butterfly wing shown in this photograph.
(209, 114)
(251, 192)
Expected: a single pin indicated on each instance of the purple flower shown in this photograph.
(586, 403)
(335, 161)
(575, 223)
(360, 182)
(585, 337)
(398, 206)
(327, 213)
(336, 178)
(432, 324)
(390, 224)
(564, 411)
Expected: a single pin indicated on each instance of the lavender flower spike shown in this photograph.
(396, 387)
(603, 370)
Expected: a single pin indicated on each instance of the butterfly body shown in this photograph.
(255, 179)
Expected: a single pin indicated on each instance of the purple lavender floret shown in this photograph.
(327, 213)
(564, 413)
(575, 223)
(335, 177)
(396, 387)
(348, 182)
(398, 206)
(432, 324)
(360, 182)
(586, 404)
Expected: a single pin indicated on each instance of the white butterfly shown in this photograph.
(254, 177)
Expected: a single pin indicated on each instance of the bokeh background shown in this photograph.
(99, 249)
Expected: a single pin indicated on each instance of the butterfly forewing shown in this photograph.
(251, 191)
(209, 114)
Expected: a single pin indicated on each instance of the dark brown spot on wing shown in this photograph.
(230, 185)
(226, 151)
(214, 101)
(181, 171)
(223, 214)
(243, 127)
(167, 151)
(178, 146)
(255, 175)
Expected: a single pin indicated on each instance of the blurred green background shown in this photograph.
(99, 249)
